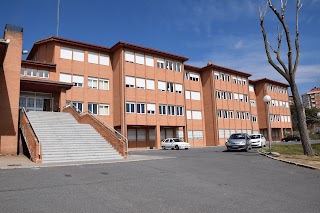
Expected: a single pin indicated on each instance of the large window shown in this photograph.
(196, 115)
(195, 95)
(169, 65)
(129, 56)
(141, 108)
(178, 88)
(93, 83)
(171, 110)
(130, 81)
(170, 86)
(149, 61)
(160, 63)
(139, 58)
(189, 114)
(78, 55)
(65, 53)
(187, 92)
(130, 107)
(178, 66)
(65, 77)
(77, 80)
(161, 86)
(180, 110)
(104, 84)
(93, 108)
(104, 59)
(194, 77)
(150, 84)
(31, 72)
(140, 83)
(151, 109)
(43, 74)
(198, 134)
(78, 106)
(162, 110)
(104, 109)
(93, 58)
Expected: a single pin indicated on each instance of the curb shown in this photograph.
(290, 162)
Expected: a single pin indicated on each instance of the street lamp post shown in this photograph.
(267, 100)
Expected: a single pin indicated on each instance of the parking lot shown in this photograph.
(196, 180)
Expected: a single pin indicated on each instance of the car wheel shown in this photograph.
(296, 140)
(172, 148)
(163, 147)
(186, 148)
(177, 147)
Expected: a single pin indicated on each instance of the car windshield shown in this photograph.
(237, 136)
(255, 136)
(177, 140)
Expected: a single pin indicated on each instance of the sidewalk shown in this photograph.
(21, 161)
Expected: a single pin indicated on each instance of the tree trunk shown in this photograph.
(301, 118)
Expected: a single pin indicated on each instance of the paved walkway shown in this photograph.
(21, 161)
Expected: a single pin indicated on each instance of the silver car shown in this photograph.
(239, 141)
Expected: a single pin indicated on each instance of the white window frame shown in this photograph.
(151, 109)
(104, 60)
(129, 108)
(141, 108)
(141, 83)
(171, 110)
(103, 84)
(92, 81)
(93, 58)
(130, 82)
(66, 53)
(91, 108)
(149, 61)
(162, 86)
(104, 109)
(78, 55)
(129, 56)
(78, 80)
(162, 109)
(150, 84)
(179, 110)
(139, 58)
(195, 95)
(169, 65)
(160, 63)
(178, 88)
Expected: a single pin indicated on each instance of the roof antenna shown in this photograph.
(58, 13)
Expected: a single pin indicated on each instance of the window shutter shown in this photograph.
(93, 58)
(65, 53)
(77, 79)
(139, 58)
(129, 56)
(187, 94)
(149, 61)
(161, 85)
(104, 60)
(65, 77)
(130, 80)
(150, 84)
(141, 82)
(195, 95)
(78, 55)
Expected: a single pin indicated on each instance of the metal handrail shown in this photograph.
(23, 109)
(103, 123)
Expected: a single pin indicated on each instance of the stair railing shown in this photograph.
(104, 124)
(30, 137)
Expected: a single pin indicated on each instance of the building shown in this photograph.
(291, 101)
(280, 116)
(146, 94)
(311, 99)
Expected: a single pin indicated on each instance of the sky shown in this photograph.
(224, 32)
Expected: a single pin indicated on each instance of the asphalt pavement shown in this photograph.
(196, 180)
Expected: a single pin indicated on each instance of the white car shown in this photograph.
(174, 143)
(258, 140)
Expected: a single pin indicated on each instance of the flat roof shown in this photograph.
(38, 64)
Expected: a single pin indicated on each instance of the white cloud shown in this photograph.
(238, 45)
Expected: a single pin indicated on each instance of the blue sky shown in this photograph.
(225, 32)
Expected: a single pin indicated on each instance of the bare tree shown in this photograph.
(288, 71)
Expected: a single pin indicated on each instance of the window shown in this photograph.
(187, 92)
(190, 136)
(236, 96)
(218, 94)
(93, 108)
(219, 113)
(180, 110)
(129, 56)
(149, 61)
(104, 109)
(65, 77)
(130, 107)
(77, 80)
(141, 108)
(224, 95)
(229, 95)
(234, 79)
(43, 74)
(189, 114)
(194, 77)
(171, 110)
(276, 102)
(245, 98)
(132, 134)
(160, 63)
(222, 77)
(78, 55)
(241, 98)
(78, 106)
(251, 88)
(170, 86)
(186, 74)
(196, 115)
(65, 53)
(239, 81)
(195, 95)
(104, 84)
(141, 134)
(93, 83)
(169, 65)
(231, 114)
(161, 86)
(221, 133)
(22, 71)
(216, 75)
(243, 117)
(225, 114)
(104, 60)
(139, 58)
(162, 110)
(244, 82)
(177, 67)
(179, 134)
(238, 115)
(140, 83)
(130, 82)
(252, 103)
(151, 109)
(198, 134)
(178, 88)
(31, 72)
(227, 78)
(247, 115)
(93, 58)
(150, 84)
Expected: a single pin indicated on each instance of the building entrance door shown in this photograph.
(35, 101)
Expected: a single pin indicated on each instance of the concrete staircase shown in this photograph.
(63, 139)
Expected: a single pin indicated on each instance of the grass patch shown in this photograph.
(292, 149)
